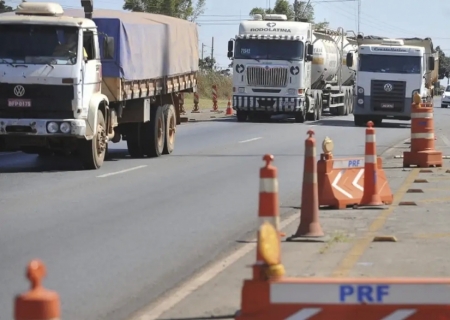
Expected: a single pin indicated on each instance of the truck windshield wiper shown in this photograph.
(282, 58)
(249, 57)
(8, 63)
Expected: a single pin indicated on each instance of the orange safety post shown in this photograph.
(229, 109)
(422, 153)
(268, 207)
(38, 303)
(309, 212)
(196, 101)
(214, 95)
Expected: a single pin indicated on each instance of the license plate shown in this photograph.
(19, 103)
(387, 106)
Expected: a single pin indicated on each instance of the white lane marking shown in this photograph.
(304, 314)
(446, 141)
(155, 310)
(250, 140)
(120, 172)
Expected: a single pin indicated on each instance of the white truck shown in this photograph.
(70, 82)
(286, 67)
(390, 71)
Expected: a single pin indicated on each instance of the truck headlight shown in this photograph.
(360, 101)
(65, 127)
(360, 90)
(292, 91)
(52, 127)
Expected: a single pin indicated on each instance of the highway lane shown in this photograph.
(113, 243)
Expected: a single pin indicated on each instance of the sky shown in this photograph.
(388, 18)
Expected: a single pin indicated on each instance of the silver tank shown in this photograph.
(326, 58)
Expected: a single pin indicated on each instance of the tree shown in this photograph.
(207, 64)
(184, 9)
(299, 10)
(4, 7)
(444, 62)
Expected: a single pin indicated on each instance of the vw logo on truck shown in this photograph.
(19, 91)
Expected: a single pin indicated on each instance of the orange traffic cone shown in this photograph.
(229, 109)
(38, 303)
(371, 195)
(309, 214)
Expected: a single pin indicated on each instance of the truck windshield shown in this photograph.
(38, 44)
(268, 49)
(448, 89)
(389, 64)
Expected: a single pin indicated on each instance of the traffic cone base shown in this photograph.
(423, 159)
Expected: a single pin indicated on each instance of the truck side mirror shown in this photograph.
(349, 60)
(310, 49)
(108, 48)
(230, 49)
(431, 63)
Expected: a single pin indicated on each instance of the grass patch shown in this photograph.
(205, 83)
(338, 237)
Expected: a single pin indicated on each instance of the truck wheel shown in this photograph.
(153, 133)
(170, 124)
(360, 121)
(134, 141)
(241, 116)
(93, 151)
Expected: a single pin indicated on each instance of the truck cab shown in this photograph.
(445, 98)
(50, 75)
(272, 65)
(390, 72)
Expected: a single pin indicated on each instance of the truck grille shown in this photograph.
(267, 77)
(47, 101)
(385, 100)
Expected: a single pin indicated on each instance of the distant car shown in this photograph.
(446, 98)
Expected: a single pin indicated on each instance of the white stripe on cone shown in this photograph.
(268, 185)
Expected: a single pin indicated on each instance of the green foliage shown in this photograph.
(207, 63)
(444, 62)
(183, 9)
(299, 10)
(4, 7)
(206, 81)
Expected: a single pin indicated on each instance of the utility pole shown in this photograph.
(296, 10)
(212, 48)
(203, 50)
(359, 16)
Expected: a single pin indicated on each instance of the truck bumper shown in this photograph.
(445, 103)
(367, 109)
(38, 127)
(268, 104)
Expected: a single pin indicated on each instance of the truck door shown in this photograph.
(92, 66)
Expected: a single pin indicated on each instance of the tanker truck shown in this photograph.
(72, 81)
(390, 72)
(286, 67)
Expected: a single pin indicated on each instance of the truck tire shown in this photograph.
(341, 111)
(170, 120)
(134, 144)
(92, 152)
(153, 133)
(241, 116)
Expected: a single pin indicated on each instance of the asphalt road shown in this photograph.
(115, 239)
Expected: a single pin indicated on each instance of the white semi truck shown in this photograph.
(286, 67)
(390, 71)
(70, 82)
